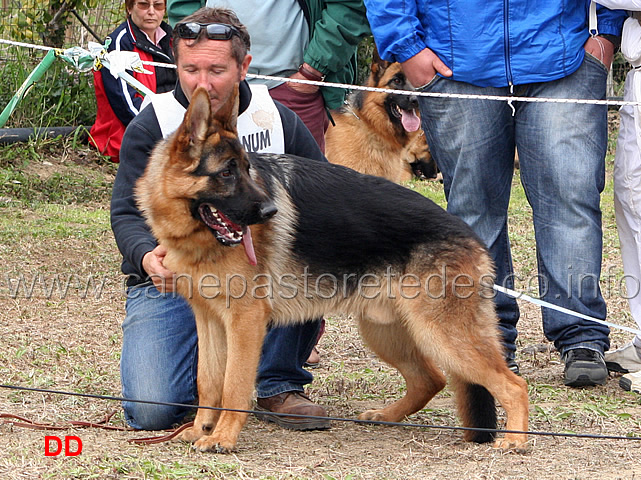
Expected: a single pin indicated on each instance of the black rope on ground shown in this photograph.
(336, 419)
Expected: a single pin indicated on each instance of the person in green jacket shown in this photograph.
(298, 39)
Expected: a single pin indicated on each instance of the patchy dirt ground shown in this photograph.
(71, 342)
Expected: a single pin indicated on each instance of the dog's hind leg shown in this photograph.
(393, 344)
(466, 344)
(476, 405)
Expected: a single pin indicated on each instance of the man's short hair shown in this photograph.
(240, 44)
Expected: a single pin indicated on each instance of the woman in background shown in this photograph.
(146, 33)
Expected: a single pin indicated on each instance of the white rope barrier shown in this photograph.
(127, 62)
(501, 98)
(26, 45)
(551, 306)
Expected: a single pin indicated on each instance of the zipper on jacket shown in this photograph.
(506, 42)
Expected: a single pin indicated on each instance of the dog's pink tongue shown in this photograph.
(249, 246)
(410, 120)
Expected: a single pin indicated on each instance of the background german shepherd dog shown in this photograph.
(323, 239)
(380, 133)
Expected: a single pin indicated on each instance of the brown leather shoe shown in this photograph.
(293, 403)
(314, 359)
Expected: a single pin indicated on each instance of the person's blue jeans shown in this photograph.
(561, 149)
(160, 357)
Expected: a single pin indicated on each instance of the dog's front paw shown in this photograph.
(514, 443)
(374, 416)
(191, 434)
(214, 443)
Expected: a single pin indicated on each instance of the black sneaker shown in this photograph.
(584, 368)
(511, 362)
(631, 382)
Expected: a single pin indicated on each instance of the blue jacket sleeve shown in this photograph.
(396, 28)
(399, 33)
(610, 22)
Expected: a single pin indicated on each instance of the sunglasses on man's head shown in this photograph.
(215, 31)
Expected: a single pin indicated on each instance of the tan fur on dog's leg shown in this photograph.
(512, 401)
(244, 346)
(483, 364)
(465, 342)
(510, 391)
(393, 344)
(212, 357)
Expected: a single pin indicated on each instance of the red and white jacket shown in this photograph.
(118, 102)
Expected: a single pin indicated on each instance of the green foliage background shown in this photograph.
(37, 21)
(63, 97)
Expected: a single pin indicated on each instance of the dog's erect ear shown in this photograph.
(197, 116)
(227, 114)
(378, 66)
(193, 131)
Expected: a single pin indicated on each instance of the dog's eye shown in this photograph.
(229, 171)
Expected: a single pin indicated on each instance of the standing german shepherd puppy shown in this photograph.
(322, 240)
(379, 133)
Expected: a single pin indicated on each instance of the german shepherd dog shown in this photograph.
(379, 133)
(316, 241)
(417, 155)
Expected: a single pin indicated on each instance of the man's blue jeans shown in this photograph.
(561, 148)
(160, 357)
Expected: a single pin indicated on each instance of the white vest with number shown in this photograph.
(260, 128)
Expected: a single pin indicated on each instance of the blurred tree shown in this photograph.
(365, 50)
(45, 22)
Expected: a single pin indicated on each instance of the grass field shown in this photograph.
(62, 301)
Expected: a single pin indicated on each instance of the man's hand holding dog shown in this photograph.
(162, 278)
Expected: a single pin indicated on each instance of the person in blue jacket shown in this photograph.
(518, 48)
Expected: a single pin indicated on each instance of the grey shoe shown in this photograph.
(584, 368)
(624, 360)
(631, 382)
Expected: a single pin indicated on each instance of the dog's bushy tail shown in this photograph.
(477, 409)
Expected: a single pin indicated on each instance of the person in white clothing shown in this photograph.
(627, 194)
